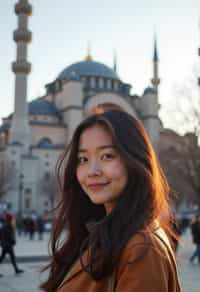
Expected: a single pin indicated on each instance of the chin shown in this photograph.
(97, 202)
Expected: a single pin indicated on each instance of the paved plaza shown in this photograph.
(189, 273)
(29, 281)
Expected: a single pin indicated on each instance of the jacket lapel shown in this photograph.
(76, 268)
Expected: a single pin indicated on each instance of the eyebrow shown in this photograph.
(99, 148)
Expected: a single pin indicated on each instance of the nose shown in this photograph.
(94, 169)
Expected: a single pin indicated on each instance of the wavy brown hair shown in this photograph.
(144, 200)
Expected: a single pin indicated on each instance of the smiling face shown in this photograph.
(101, 171)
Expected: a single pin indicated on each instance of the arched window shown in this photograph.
(45, 141)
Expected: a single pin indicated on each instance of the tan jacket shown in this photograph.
(154, 272)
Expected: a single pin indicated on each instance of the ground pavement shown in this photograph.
(189, 273)
(35, 251)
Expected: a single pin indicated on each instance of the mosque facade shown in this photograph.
(34, 136)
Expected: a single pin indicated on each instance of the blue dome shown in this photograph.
(88, 68)
(42, 106)
(149, 90)
(4, 127)
(44, 142)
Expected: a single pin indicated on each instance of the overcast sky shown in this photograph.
(61, 30)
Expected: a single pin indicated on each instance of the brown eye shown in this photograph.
(107, 156)
(82, 160)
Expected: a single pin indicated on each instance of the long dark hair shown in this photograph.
(145, 199)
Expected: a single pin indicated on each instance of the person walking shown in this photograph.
(1, 226)
(7, 241)
(112, 231)
(195, 230)
(31, 226)
(40, 227)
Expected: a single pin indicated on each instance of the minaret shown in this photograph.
(199, 56)
(89, 56)
(155, 80)
(20, 131)
(115, 62)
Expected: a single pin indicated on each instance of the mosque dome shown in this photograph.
(42, 106)
(87, 68)
(149, 90)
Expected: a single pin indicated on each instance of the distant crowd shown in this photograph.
(27, 225)
(30, 225)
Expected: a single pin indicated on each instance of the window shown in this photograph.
(27, 191)
(27, 198)
(27, 203)
(13, 163)
(101, 83)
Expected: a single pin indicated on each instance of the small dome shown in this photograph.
(88, 68)
(150, 90)
(4, 127)
(42, 106)
(45, 142)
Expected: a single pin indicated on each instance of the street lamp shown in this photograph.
(21, 187)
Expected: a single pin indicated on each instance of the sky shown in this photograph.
(61, 31)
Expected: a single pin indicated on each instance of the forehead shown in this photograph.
(95, 136)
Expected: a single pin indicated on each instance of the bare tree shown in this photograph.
(190, 158)
(7, 177)
(49, 186)
(180, 161)
(186, 118)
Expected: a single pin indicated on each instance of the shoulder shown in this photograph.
(147, 245)
(147, 263)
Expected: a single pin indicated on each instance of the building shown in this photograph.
(33, 137)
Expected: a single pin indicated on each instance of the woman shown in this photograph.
(114, 210)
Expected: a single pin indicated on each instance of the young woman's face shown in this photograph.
(101, 171)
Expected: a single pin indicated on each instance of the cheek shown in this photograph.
(80, 175)
(118, 171)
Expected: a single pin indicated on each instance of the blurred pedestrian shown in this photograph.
(7, 240)
(31, 227)
(1, 225)
(184, 223)
(195, 229)
(19, 225)
(40, 227)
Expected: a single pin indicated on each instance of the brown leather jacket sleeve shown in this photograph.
(151, 273)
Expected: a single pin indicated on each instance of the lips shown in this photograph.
(97, 186)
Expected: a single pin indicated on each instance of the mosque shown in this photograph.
(36, 133)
